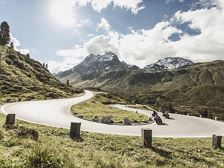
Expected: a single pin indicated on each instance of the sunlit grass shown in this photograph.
(101, 150)
(91, 108)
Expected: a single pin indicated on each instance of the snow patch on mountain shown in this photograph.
(168, 63)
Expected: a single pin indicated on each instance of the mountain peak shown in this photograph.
(104, 57)
(94, 64)
(168, 63)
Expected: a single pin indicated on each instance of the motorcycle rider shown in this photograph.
(154, 114)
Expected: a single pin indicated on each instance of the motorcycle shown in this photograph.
(157, 118)
(166, 115)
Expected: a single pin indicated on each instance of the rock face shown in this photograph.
(168, 63)
(96, 64)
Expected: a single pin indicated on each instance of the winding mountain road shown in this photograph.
(56, 113)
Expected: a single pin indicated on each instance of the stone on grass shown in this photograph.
(107, 120)
(126, 121)
(95, 119)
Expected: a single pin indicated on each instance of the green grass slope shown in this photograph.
(195, 89)
(22, 78)
(98, 106)
(54, 149)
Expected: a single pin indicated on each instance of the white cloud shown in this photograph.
(206, 3)
(71, 57)
(100, 44)
(63, 12)
(104, 24)
(98, 5)
(17, 45)
(143, 47)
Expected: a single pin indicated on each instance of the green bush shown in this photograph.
(27, 132)
(8, 61)
(44, 157)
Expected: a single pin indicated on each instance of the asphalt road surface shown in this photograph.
(56, 113)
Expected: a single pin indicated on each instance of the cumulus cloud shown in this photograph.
(143, 47)
(98, 5)
(104, 24)
(17, 45)
(62, 12)
(70, 58)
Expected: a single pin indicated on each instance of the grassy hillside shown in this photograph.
(198, 89)
(54, 149)
(22, 78)
(193, 89)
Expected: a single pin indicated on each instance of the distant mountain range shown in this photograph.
(95, 68)
(97, 64)
(189, 87)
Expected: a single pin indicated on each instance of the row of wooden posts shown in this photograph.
(146, 133)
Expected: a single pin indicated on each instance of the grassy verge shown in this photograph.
(55, 149)
(98, 106)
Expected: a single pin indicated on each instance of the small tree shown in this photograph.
(204, 112)
(12, 45)
(67, 83)
(4, 34)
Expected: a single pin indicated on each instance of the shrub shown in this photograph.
(44, 157)
(203, 112)
(27, 132)
(8, 61)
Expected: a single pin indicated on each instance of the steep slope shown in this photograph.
(193, 89)
(22, 78)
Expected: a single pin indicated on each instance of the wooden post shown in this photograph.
(75, 130)
(147, 137)
(216, 141)
(10, 119)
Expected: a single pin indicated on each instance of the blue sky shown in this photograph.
(63, 32)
